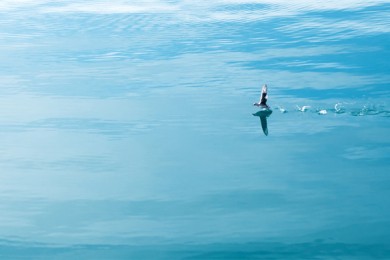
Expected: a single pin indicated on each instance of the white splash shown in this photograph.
(282, 110)
(303, 109)
(322, 112)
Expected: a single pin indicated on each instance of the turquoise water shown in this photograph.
(127, 130)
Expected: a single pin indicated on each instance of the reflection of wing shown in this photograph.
(263, 114)
(263, 120)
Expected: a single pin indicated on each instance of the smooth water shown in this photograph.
(127, 129)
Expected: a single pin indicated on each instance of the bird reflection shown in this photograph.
(263, 114)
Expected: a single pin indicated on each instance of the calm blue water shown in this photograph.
(127, 129)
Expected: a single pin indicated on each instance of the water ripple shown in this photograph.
(114, 112)
(82, 163)
(98, 126)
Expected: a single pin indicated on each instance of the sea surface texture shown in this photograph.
(128, 131)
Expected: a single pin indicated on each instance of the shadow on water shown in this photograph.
(263, 114)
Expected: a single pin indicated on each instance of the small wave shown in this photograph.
(386, 113)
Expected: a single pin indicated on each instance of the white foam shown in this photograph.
(322, 112)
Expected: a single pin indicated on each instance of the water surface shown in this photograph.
(127, 130)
